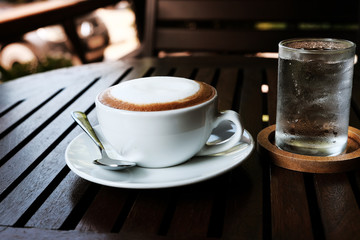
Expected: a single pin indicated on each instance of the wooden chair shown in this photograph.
(243, 26)
(27, 17)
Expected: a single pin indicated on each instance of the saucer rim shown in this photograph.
(156, 185)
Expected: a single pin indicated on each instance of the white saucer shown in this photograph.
(82, 151)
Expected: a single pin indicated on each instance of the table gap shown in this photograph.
(11, 107)
(218, 212)
(17, 123)
(356, 108)
(125, 211)
(315, 216)
(216, 76)
(267, 230)
(79, 210)
(265, 110)
(194, 73)
(46, 123)
(168, 215)
(354, 186)
(237, 96)
(171, 72)
(149, 72)
(122, 76)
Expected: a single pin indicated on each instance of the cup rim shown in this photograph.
(350, 45)
(162, 112)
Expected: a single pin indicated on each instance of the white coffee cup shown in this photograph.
(163, 138)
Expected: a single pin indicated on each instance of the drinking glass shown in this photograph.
(314, 94)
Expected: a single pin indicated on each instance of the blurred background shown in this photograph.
(106, 34)
(41, 35)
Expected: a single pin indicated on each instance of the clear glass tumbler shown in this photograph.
(314, 93)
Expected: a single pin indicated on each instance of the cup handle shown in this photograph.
(229, 115)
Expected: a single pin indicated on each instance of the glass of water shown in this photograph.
(314, 94)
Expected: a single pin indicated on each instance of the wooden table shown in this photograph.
(40, 198)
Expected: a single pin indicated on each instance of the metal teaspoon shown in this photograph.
(105, 161)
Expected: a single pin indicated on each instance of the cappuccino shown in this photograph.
(157, 94)
(133, 119)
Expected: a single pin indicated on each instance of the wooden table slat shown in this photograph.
(205, 75)
(290, 210)
(185, 72)
(25, 109)
(193, 212)
(226, 87)
(54, 211)
(148, 212)
(104, 210)
(338, 207)
(13, 91)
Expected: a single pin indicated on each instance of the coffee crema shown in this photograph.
(156, 94)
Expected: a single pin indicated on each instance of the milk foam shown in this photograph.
(156, 94)
(155, 90)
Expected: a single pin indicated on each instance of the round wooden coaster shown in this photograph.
(348, 161)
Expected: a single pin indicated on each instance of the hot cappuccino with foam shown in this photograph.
(157, 94)
(163, 121)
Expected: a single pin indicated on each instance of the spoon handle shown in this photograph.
(81, 119)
